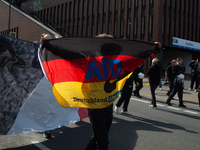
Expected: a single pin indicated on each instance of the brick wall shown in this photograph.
(27, 29)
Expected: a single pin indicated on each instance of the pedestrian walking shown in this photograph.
(194, 75)
(154, 80)
(170, 76)
(139, 75)
(126, 94)
(178, 72)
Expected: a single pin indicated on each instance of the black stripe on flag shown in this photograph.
(20, 73)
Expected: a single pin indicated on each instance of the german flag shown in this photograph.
(91, 72)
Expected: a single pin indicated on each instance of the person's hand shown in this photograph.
(159, 44)
(192, 61)
(137, 83)
(35, 42)
(42, 39)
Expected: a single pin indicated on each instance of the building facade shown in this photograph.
(147, 20)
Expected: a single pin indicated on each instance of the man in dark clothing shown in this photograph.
(101, 120)
(170, 76)
(195, 77)
(138, 70)
(154, 80)
(126, 94)
(178, 72)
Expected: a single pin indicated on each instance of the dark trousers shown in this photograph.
(125, 97)
(178, 87)
(138, 88)
(153, 88)
(101, 120)
(196, 80)
(171, 85)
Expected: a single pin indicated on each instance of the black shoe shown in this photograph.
(139, 96)
(47, 134)
(182, 105)
(169, 104)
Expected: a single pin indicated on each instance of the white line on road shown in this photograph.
(192, 112)
(39, 145)
(140, 100)
(173, 108)
(160, 105)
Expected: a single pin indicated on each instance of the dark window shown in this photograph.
(129, 19)
(110, 17)
(88, 18)
(116, 17)
(44, 16)
(98, 17)
(122, 19)
(104, 16)
(70, 17)
(54, 16)
(83, 20)
(135, 19)
(79, 16)
(62, 16)
(51, 14)
(58, 15)
(47, 20)
(66, 5)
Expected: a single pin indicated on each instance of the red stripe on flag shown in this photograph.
(61, 70)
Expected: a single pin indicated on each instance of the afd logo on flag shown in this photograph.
(93, 70)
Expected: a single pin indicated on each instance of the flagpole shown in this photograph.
(9, 17)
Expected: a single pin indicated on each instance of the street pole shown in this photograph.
(9, 17)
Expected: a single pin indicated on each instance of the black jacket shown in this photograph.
(129, 81)
(170, 74)
(178, 70)
(154, 75)
(194, 68)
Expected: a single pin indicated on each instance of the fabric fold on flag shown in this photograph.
(27, 103)
(91, 72)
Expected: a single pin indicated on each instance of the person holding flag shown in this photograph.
(90, 73)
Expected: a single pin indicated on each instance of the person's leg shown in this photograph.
(122, 98)
(153, 88)
(199, 98)
(197, 82)
(171, 95)
(180, 94)
(140, 86)
(192, 82)
(160, 85)
(171, 85)
(127, 98)
(109, 118)
(98, 119)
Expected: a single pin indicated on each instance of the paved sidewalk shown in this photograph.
(190, 98)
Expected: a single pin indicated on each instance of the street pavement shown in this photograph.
(167, 128)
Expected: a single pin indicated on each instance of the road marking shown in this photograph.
(173, 108)
(170, 107)
(39, 145)
(140, 100)
(192, 112)
(160, 105)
